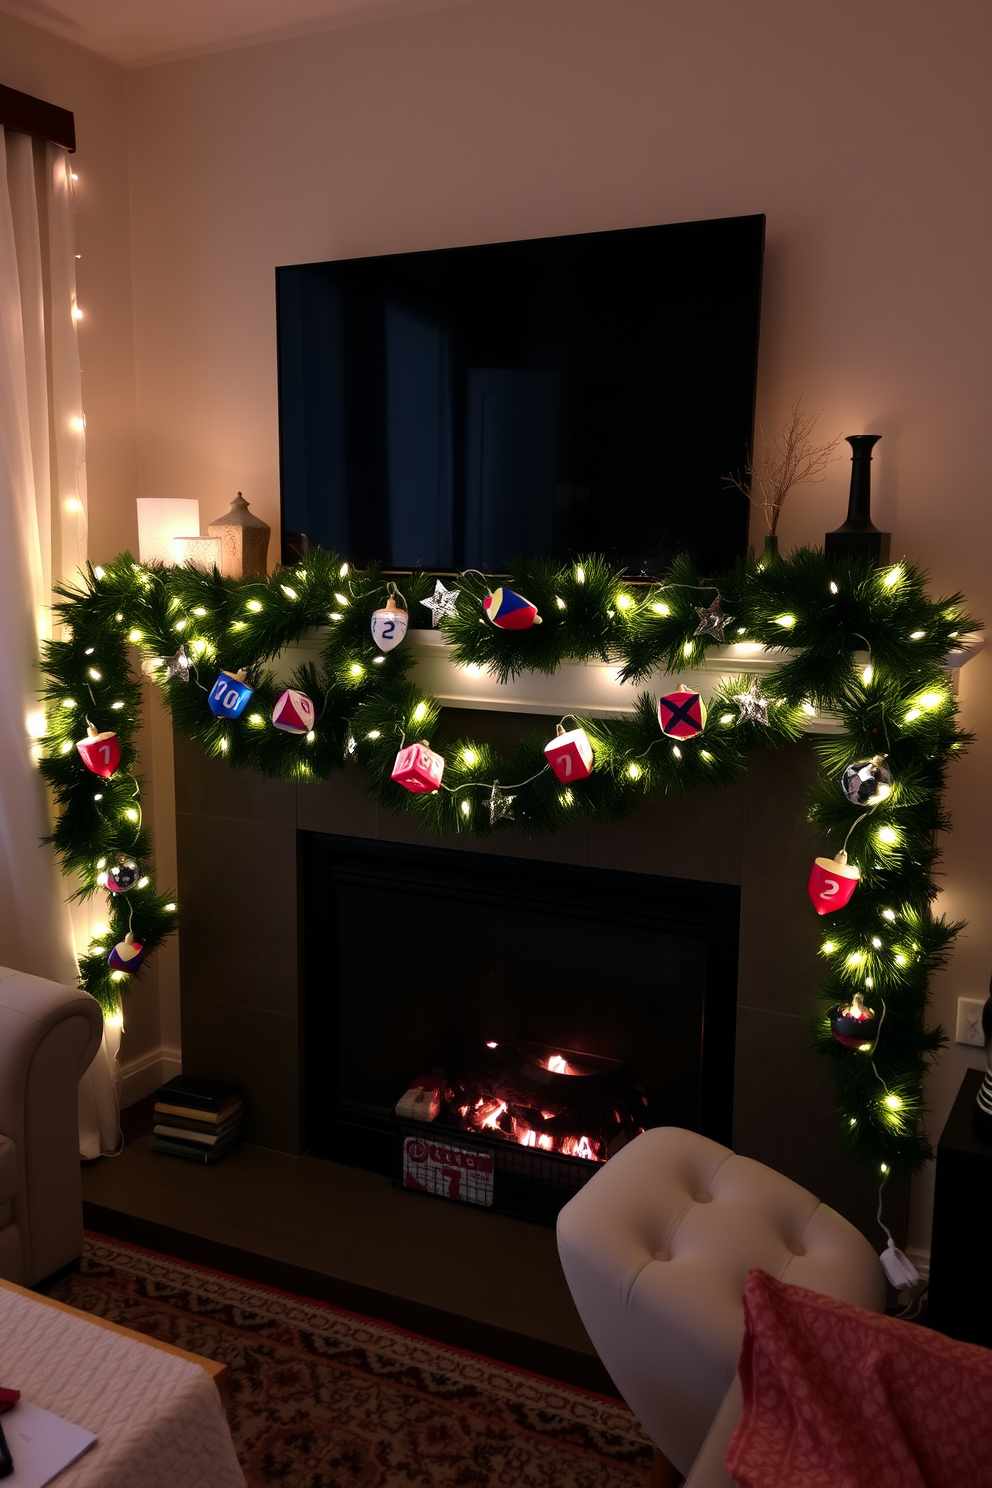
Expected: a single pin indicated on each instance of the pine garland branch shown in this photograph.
(865, 644)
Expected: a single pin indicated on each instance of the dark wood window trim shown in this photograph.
(32, 116)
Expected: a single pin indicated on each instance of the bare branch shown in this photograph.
(791, 460)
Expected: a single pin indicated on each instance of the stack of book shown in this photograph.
(197, 1119)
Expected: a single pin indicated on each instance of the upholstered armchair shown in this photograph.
(657, 1248)
(49, 1034)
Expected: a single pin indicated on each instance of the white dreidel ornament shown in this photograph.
(389, 625)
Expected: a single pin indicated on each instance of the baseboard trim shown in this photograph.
(142, 1076)
(535, 1355)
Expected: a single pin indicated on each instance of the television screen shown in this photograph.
(549, 397)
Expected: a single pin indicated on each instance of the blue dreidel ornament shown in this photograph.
(229, 695)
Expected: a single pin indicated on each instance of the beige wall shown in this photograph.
(858, 127)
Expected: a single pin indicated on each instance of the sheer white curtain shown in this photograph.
(42, 538)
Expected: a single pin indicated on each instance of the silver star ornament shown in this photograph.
(500, 805)
(753, 705)
(178, 666)
(711, 620)
(442, 602)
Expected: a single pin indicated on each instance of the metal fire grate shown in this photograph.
(519, 1181)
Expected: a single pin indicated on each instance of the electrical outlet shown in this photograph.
(969, 1029)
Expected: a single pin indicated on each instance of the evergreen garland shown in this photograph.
(885, 943)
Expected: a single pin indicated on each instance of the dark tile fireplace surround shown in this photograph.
(244, 846)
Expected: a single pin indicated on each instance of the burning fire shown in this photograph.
(487, 1114)
(504, 1111)
(559, 1065)
(493, 1115)
(578, 1147)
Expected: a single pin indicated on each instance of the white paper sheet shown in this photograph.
(41, 1444)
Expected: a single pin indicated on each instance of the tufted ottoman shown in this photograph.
(656, 1249)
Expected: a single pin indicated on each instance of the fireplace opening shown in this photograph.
(543, 1098)
(493, 1029)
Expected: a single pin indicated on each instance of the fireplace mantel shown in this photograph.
(590, 688)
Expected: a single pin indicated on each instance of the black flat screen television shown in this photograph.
(547, 397)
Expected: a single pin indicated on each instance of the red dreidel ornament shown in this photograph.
(293, 712)
(832, 881)
(570, 755)
(100, 753)
(508, 610)
(682, 713)
(418, 768)
(127, 955)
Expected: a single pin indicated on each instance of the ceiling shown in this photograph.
(135, 32)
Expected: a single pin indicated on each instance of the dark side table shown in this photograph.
(960, 1298)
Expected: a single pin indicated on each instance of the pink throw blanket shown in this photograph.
(836, 1397)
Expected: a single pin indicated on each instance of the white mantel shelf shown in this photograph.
(591, 688)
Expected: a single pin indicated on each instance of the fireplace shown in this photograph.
(251, 887)
(554, 1011)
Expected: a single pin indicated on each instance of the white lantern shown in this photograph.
(160, 519)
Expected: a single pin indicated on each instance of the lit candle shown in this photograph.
(202, 552)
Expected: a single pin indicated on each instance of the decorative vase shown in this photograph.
(244, 542)
(859, 537)
(770, 552)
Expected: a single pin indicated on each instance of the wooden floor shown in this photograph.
(454, 1273)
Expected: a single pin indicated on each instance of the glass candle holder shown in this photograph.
(202, 552)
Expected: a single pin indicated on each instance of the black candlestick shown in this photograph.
(859, 537)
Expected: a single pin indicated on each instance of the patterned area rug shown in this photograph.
(321, 1398)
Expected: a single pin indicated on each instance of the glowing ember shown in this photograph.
(578, 1147)
(487, 1114)
(559, 1065)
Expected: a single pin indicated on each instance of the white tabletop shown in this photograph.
(158, 1419)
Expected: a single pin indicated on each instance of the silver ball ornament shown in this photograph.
(868, 782)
